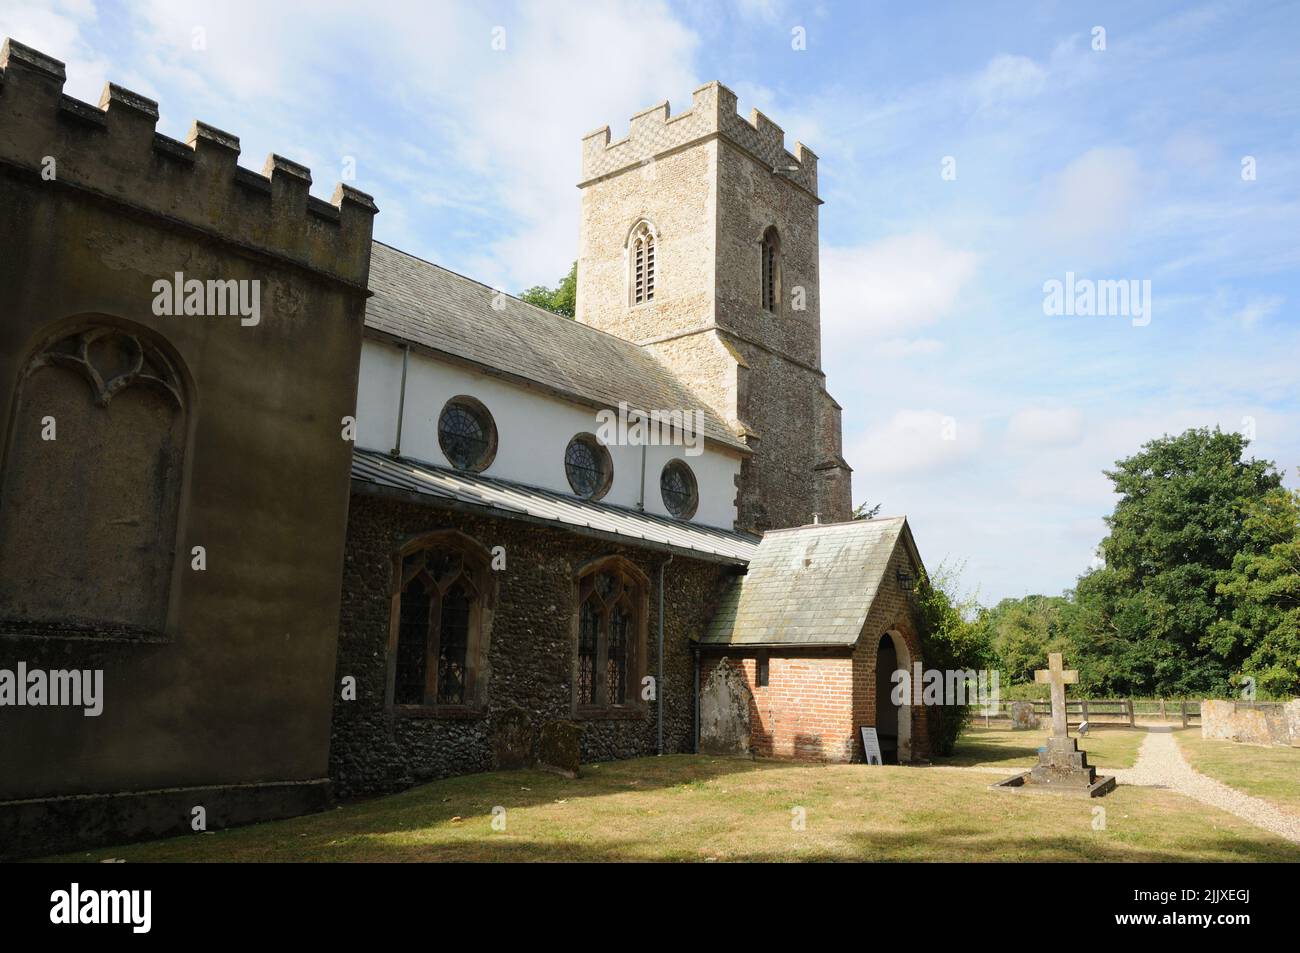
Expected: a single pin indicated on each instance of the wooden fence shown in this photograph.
(1097, 711)
(1122, 712)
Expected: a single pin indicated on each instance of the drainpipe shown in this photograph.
(659, 680)
(640, 500)
(695, 727)
(401, 402)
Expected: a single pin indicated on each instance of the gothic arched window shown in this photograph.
(641, 264)
(442, 609)
(91, 488)
(612, 611)
(771, 250)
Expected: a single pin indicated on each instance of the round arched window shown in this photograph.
(467, 434)
(588, 466)
(677, 487)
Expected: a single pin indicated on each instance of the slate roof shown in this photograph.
(505, 498)
(808, 586)
(418, 301)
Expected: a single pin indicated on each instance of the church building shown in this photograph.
(399, 525)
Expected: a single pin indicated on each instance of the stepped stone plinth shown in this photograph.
(1062, 768)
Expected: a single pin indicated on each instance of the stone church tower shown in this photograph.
(699, 240)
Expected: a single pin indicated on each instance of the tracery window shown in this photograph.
(443, 610)
(588, 466)
(678, 488)
(611, 635)
(92, 481)
(467, 434)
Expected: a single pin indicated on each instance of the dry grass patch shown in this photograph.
(692, 808)
(999, 747)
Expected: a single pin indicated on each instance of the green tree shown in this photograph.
(952, 639)
(865, 511)
(1264, 587)
(562, 299)
(1145, 622)
(1023, 631)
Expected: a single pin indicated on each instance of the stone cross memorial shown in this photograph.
(1062, 768)
(1056, 675)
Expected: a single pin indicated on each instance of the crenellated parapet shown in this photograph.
(114, 151)
(655, 132)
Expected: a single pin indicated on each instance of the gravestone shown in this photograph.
(1062, 768)
(725, 702)
(1023, 717)
(559, 748)
(512, 739)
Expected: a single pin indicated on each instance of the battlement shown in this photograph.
(713, 112)
(113, 150)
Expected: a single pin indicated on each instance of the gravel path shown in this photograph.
(1160, 764)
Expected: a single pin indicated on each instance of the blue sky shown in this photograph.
(1122, 163)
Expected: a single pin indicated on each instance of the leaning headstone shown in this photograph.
(1062, 768)
(512, 739)
(559, 748)
(1023, 717)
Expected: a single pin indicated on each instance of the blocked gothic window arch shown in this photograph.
(612, 620)
(444, 593)
(642, 274)
(770, 291)
(93, 481)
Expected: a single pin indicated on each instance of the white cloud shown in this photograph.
(916, 441)
(1256, 309)
(1091, 202)
(501, 127)
(1007, 79)
(896, 283)
(1045, 427)
(57, 29)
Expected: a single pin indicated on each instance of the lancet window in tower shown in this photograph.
(642, 252)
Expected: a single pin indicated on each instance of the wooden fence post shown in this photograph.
(1183, 704)
(1162, 709)
(1130, 713)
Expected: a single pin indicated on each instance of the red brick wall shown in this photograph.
(806, 709)
(814, 704)
(892, 610)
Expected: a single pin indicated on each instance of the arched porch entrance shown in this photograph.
(893, 722)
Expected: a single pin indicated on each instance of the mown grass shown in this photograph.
(695, 808)
(1270, 773)
(998, 746)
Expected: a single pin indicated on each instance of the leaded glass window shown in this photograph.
(588, 645)
(620, 621)
(588, 467)
(678, 489)
(611, 620)
(412, 638)
(440, 622)
(467, 434)
(453, 645)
